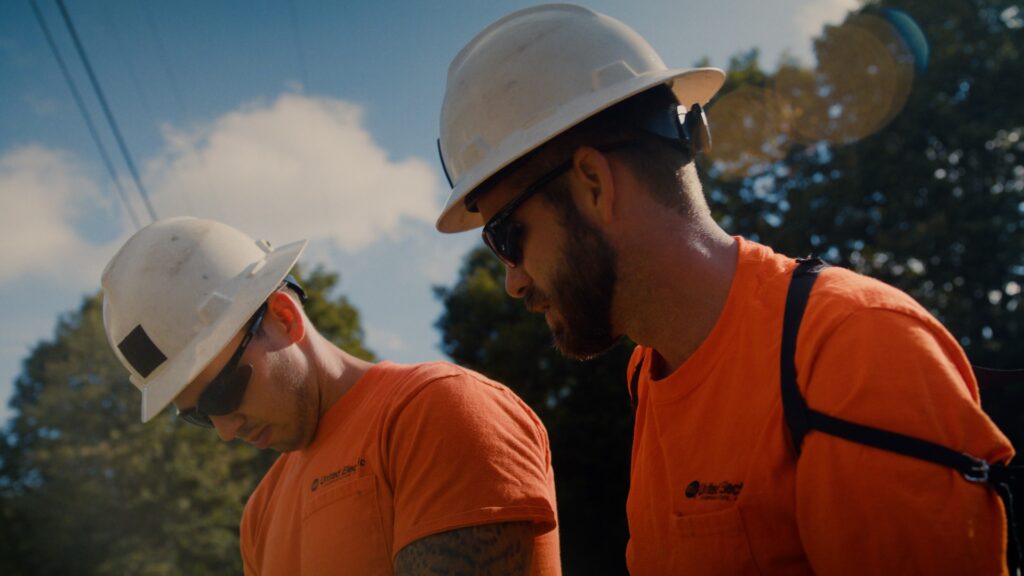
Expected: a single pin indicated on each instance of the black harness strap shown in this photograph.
(801, 419)
(794, 406)
(634, 385)
(993, 377)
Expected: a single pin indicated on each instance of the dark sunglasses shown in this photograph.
(503, 235)
(224, 393)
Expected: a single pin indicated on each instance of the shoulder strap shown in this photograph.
(794, 407)
(995, 377)
(801, 419)
(634, 385)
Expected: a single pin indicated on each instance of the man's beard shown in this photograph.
(582, 291)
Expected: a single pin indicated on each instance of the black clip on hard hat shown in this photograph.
(688, 127)
(695, 130)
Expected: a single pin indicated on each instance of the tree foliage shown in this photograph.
(86, 488)
(333, 315)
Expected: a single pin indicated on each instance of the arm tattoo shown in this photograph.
(487, 550)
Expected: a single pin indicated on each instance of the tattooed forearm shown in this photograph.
(488, 550)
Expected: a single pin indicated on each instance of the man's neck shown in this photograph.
(673, 287)
(336, 372)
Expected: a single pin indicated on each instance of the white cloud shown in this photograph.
(299, 167)
(45, 193)
(439, 258)
(813, 15)
(46, 262)
(383, 341)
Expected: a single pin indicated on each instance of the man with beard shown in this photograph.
(387, 468)
(564, 135)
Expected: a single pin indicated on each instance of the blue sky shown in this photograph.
(286, 118)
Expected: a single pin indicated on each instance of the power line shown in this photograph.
(106, 110)
(85, 114)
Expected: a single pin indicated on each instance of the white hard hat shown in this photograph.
(176, 294)
(531, 76)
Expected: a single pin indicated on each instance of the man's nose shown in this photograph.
(517, 281)
(227, 426)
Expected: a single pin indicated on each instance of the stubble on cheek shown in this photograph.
(297, 414)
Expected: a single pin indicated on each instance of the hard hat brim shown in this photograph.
(696, 85)
(171, 378)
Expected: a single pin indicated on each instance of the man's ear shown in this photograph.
(285, 311)
(595, 185)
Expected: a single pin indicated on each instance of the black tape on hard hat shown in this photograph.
(140, 351)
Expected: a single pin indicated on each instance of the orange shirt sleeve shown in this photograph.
(865, 511)
(465, 451)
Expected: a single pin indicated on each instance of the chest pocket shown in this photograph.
(712, 543)
(342, 530)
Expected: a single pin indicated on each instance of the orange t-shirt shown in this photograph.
(407, 452)
(716, 487)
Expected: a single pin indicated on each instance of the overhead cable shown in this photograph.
(85, 114)
(106, 110)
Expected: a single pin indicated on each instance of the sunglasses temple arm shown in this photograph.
(444, 167)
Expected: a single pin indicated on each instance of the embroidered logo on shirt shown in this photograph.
(713, 490)
(343, 472)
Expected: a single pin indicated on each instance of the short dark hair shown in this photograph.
(664, 166)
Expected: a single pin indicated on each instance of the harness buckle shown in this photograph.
(978, 472)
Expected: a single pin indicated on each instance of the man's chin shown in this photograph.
(579, 349)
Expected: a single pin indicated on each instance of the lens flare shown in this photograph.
(863, 78)
(912, 36)
(750, 127)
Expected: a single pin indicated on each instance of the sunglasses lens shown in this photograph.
(224, 396)
(493, 245)
(511, 249)
(503, 240)
(196, 418)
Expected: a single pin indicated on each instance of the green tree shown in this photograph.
(86, 488)
(333, 315)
